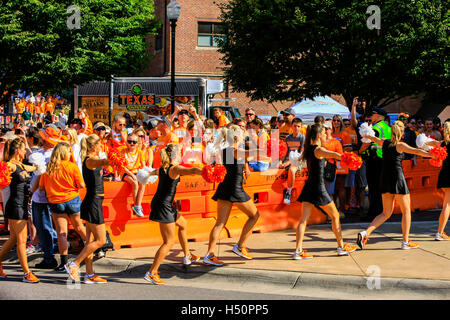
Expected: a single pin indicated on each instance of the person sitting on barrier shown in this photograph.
(91, 210)
(144, 147)
(314, 193)
(61, 183)
(295, 142)
(163, 211)
(16, 209)
(393, 184)
(194, 151)
(444, 183)
(135, 161)
(260, 161)
(231, 192)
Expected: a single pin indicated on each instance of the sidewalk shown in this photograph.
(425, 269)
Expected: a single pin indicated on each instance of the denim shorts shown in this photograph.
(69, 207)
(259, 166)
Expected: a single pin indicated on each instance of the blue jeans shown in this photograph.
(259, 166)
(42, 220)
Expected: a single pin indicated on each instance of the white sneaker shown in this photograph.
(441, 237)
(138, 211)
(287, 196)
(409, 245)
(190, 260)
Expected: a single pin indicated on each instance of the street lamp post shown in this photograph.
(173, 12)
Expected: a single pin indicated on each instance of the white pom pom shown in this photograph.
(211, 148)
(294, 158)
(366, 130)
(421, 142)
(41, 170)
(144, 175)
(102, 156)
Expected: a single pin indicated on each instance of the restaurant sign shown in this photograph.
(137, 99)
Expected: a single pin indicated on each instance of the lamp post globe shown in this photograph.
(173, 10)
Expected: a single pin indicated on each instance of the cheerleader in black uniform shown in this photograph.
(16, 209)
(444, 183)
(230, 191)
(314, 193)
(393, 184)
(91, 209)
(163, 211)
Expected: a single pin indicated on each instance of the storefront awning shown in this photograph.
(157, 86)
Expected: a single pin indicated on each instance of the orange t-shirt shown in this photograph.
(42, 107)
(20, 107)
(135, 161)
(87, 129)
(344, 138)
(30, 106)
(223, 121)
(284, 131)
(161, 143)
(62, 185)
(49, 107)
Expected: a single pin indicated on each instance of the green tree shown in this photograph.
(289, 49)
(43, 49)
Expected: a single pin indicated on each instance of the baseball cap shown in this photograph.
(99, 125)
(288, 112)
(152, 123)
(379, 111)
(164, 119)
(328, 125)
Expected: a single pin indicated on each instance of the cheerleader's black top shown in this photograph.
(93, 180)
(444, 174)
(162, 208)
(17, 206)
(314, 190)
(392, 179)
(231, 188)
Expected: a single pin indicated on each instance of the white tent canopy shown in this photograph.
(325, 106)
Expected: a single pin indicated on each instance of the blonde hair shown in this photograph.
(397, 130)
(167, 155)
(60, 152)
(446, 132)
(73, 136)
(87, 144)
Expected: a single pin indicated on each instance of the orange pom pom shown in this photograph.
(440, 155)
(351, 161)
(5, 175)
(214, 173)
(117, 159)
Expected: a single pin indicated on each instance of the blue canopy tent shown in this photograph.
(308, 109)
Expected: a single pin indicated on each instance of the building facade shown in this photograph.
(196, 52)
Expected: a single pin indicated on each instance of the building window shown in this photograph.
(209, 33)
(159, 39)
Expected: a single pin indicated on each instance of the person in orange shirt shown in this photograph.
(331, 144)
(135, 161)
(167, 136)
(118, 135)
(193, 156)
(87, 127)
(144, 147)
(20, 107)
(343, 137)
(220, 114)
(286, 128)
(42, 108)
(50, 106)
(30, 106)
(100, 130)
(61, 183)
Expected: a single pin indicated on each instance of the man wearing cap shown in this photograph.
(286, 128)
(153, 133)
(375, 162)
(167, 136)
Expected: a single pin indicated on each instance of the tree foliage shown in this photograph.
(289, 49)
(42, 51)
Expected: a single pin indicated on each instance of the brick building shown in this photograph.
(196, 54)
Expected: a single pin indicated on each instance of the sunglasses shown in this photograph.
(141, 136)
(336, 120)
(121, 124)
(101, 129)
(132, 141)
(249, 114)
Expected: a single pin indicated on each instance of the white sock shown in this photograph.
(363, 233)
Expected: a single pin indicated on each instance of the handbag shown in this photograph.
(329, 173)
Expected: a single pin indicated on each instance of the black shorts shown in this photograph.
(16, 212)
(92, 210)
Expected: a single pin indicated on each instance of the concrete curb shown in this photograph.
(436, 289)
